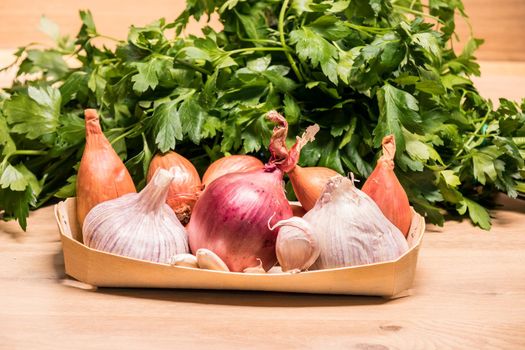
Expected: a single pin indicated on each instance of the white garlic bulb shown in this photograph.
(138, 225)
(296, 247)
(351, 229)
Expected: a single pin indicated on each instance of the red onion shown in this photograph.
(230, 164)
(231, 216)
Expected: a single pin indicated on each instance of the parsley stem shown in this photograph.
(192, 66)
(366, 29)
(266, 41)
(24, 152)
(418, 13)
(107, 37)
(478, 129)
(21, 152)
(283, 41)
(125, 134)
(249, 49)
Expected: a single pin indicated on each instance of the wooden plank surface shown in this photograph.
(469, 293)
(499, 22)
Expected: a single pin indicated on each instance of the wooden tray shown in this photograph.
(103, 269)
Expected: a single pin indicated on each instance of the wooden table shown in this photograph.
(469, 292)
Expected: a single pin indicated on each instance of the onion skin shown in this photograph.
(101, 175)
(297, 210)
(225, 222)
(386, 190)
(308, 183)
(230, 164)
(185, 187)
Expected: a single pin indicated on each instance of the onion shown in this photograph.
(102, 175)
(308, 183)
(230, 164)
(231, 216)
(384, 188)
(185, 187)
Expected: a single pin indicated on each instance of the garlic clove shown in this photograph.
(297, 247)
(255, 269)
(208, 260)
(186, 260)
(275, 270)
(138, 225)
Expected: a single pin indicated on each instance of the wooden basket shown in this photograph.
(103, 269)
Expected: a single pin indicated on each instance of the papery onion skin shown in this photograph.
(230, 164)
(308, 183)
(185, 187)
(386, 190)
(101, 175)
(297, 209)
(225, 222)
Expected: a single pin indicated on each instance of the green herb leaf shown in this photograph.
(166, 126)
(35, 114)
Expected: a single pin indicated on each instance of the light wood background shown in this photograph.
(501, 23)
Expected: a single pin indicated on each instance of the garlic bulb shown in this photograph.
(351, 228)
(297, 247)
(138, 225)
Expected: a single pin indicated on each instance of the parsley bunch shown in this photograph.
(360, 69)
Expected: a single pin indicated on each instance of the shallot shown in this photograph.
(102, 175)
(384, 188)
(186, 184)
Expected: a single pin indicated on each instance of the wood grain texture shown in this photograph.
(499, 22)
(469, 293)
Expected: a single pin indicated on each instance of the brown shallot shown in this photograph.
(102, 175)
(386, 190)
(185, 187)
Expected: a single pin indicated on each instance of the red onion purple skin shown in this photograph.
(231, 218)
